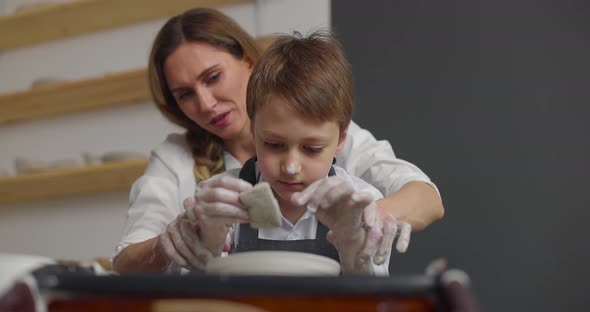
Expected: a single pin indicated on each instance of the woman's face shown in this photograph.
(209, 85)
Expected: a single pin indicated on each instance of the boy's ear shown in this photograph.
(342, 140)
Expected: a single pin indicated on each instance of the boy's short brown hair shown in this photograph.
(310, 73)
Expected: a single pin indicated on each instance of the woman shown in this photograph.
(199, 68)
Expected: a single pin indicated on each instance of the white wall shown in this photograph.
(89, 226)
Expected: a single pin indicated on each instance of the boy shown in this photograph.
(299, 100)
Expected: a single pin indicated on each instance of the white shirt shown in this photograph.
(156, 197)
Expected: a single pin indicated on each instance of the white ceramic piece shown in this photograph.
(46, 81)
(34, 5)
(274, 263)
(24, 165)
(14, 266)
(91, 159)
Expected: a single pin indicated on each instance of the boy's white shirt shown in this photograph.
(156, 197)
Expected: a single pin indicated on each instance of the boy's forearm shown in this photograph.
(416, 203)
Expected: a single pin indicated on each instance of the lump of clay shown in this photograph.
(263, 207)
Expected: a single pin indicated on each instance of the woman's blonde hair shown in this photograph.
(196, 25)
(310, 73)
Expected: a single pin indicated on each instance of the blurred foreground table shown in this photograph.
(60, 288)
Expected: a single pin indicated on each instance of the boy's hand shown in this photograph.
(217, 200)
(335, 202)
(342, 209)
(202, 231)
(356, 209)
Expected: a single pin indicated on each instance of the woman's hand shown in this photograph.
(392, 228)
(182, 246)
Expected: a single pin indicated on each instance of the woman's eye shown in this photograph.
(213, 78)
(184, 95)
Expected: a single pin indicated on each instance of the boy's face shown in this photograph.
(293, 151)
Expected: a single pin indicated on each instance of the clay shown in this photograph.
(263, 207)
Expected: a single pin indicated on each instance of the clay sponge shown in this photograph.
(263, 207)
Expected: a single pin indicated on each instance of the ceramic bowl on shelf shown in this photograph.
(24, 165)
(274, 263)
(35, 5)
(121, 156)
(91, 159)
(46, 81)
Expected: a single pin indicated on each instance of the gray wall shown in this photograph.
(491, 99)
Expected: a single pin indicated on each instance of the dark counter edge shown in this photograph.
(201, 284)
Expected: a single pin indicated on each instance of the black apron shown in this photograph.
(249, 241)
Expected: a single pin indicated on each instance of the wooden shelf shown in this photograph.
(110, 177)
(54, 21)
(76, 96)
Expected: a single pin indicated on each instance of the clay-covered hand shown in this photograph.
(392, 228)
(202, 231)
(182, 246)
(381, 229)
(216, 205)
(350, 215)
(217, 200)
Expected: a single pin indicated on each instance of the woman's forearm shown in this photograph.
(144, 256)
(416, 203)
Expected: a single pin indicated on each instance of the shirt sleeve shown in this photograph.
(153, 205)
(155, 198)
(375, 162)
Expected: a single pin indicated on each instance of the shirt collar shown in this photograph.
(230, 161)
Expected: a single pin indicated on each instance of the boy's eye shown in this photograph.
(314, 149)
(272, 145)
